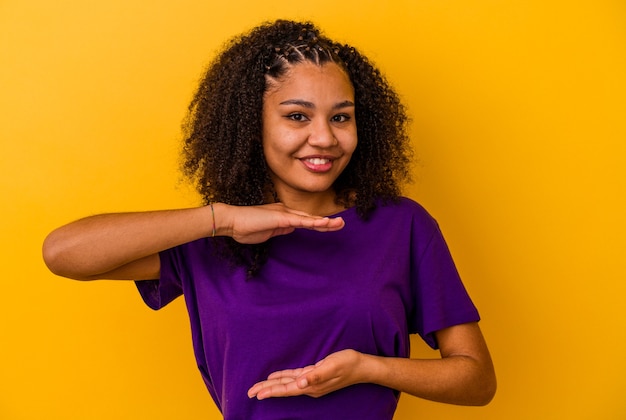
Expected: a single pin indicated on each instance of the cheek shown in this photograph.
(269, 140)
(355, 142)
(281, 142)
(350, 143)
(276, 150)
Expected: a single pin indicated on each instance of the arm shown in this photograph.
(126, 245)
(464, 375)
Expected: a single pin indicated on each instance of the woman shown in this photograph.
(305, 272)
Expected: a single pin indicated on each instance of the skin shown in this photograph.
(309, 136)
(125, 246)
(464, 375)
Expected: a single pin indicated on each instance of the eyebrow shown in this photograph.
(311, 105)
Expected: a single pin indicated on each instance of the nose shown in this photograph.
(322, 134)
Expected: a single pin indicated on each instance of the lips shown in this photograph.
(317, 164)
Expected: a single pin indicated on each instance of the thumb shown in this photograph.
(313, 377)
(303, 383)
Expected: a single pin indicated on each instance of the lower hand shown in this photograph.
(338, 370)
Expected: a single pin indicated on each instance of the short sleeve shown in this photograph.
(158, 293)
(440, 296)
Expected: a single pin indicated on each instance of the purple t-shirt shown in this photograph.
(365, 287)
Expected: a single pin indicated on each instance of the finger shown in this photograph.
(290, 373)
(284, 387)
(300, 213)
(317, 375)
(282, 231)
(324, 224)
(313, 378)
(268, 385)
(320, 225)
(330, 222)
(280, 384)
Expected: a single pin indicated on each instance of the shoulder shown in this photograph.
(404, 207)
(402, 216)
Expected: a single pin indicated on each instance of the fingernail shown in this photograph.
(303, 383)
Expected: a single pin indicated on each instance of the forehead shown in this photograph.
(311, 79)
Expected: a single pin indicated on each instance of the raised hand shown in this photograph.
(338, 370)
(126, 245)
(256, 224)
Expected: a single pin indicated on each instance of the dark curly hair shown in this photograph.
(223, 151)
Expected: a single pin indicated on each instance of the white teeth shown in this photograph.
(318, 161)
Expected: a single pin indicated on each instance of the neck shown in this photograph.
(317, 204)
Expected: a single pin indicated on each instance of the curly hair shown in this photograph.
(223, 150)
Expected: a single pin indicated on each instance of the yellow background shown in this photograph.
(519, 124)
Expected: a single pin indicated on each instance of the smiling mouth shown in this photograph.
(317, 164)
(317, 161)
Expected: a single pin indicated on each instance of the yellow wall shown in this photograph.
(519, 121)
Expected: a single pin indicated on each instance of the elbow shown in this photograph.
(51, 255)
(485, 391)
(478, 388)
(486, 394)
(485, 381)
(56, 259)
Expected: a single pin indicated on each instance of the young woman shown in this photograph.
(306, 271)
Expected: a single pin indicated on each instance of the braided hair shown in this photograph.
(223, 150)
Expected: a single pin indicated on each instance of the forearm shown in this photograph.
(459, 379)
(99, 244)
(125, 245)
(464, 375)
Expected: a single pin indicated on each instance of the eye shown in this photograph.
(297, 116)
(340, 118)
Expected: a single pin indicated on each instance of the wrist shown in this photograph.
(218, 219)
(213, 230)
(372, 368)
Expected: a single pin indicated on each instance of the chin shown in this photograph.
(314, 190)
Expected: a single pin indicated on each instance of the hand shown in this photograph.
(256, 224)
(338, 370)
